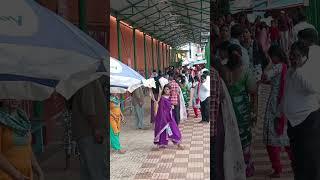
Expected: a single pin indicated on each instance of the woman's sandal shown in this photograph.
(180, 147)
(121, 151)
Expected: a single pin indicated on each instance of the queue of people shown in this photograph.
(172, 94)
(250, 54)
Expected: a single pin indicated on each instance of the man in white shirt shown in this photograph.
(154, 74)
(204, 94)
(301, 105)
(301, 25)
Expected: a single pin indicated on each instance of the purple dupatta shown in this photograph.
(165, 125)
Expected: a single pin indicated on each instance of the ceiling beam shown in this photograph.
(152, 13)
(173, 30)
(156, 21)
(195, 19)
(141, 11)
(203, 28)
(180, 32)
(190, 24)
(175, 3)
(162, 26)
(126, 8)
(117, 15)
(179, 40)
(145, 17)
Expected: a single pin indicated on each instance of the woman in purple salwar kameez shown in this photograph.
(165, 125)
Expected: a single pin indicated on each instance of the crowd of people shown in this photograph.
(175, 90)
(283, 55)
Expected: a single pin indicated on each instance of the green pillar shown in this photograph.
(159, 63)
(163, 61)
(82, 15)
(134, 49)
(120, 58)
(152, 54)
(119, 40)
(170, 61)
(207, 54)
(38, 106)
(38, 109)
(167, 62)
(145, 55)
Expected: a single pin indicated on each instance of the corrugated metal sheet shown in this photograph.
(314, 13)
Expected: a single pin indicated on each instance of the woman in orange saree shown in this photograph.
(17, 161)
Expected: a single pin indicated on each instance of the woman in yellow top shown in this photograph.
(116, 117)
(17, 161)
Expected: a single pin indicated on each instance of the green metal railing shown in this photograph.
(119, 39)
(152, 54)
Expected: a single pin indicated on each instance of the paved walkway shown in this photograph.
(260, 156)
(140, 162)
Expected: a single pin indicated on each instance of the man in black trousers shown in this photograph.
(204, 96)
(301, 106)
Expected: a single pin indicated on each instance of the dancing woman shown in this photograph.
(165, 125)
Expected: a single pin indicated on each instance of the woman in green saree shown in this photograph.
(241, 84)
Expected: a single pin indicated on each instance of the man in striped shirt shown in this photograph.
(174, 97)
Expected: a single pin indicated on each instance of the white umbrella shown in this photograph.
(125, 79)
(42, 53)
